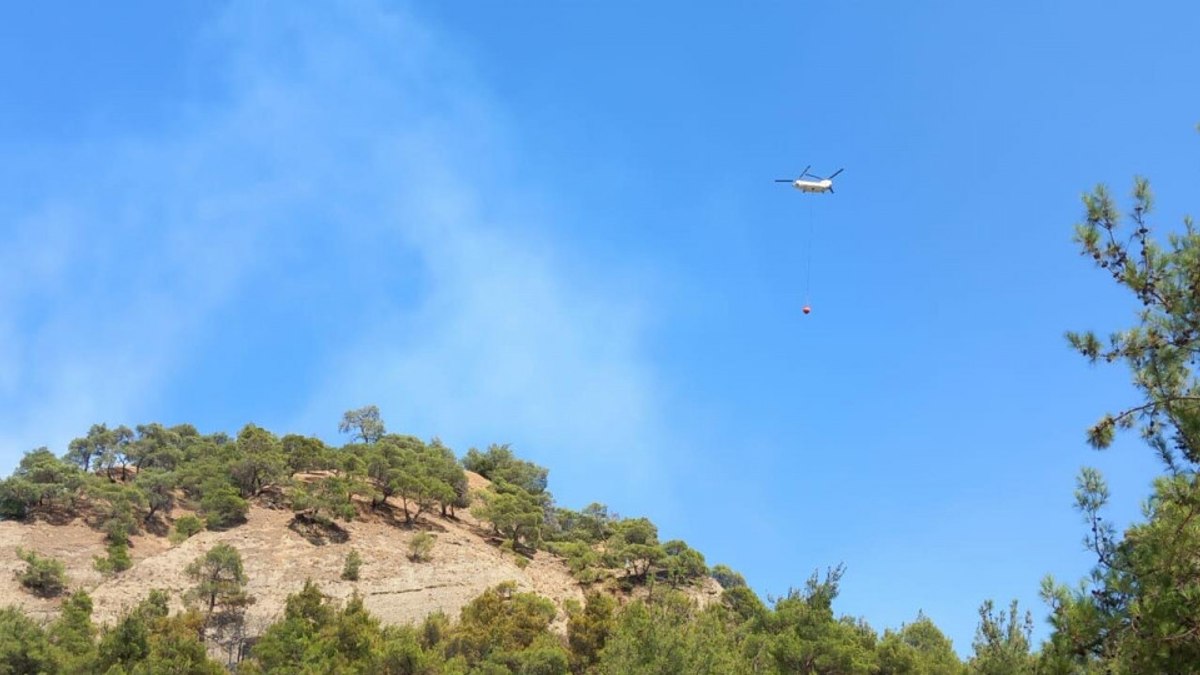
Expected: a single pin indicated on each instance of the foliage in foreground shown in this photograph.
(1139, 609)
(501, 631)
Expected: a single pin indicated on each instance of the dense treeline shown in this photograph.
(501, 631)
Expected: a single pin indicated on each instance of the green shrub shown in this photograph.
(434, 629)
(116, 530)
(185, 527)
(354, 561)
(682, 563)
(587, 575)
(582, 560)
(24, 647)
(43, 576)
(118, 555)
(420, 546)
(118, 559)
(17, 496)
(223, 507)
(727, 577)
(119, 508)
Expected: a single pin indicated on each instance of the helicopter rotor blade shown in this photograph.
(835, 173)
(785, 180)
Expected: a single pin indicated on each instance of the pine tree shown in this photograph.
(1138, 611)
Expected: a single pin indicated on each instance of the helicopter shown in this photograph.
(817, 184)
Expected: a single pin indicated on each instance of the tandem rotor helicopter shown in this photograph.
(810, 183)
(817, 184)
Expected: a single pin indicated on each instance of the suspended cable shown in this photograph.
(810, 183)
(808, 245)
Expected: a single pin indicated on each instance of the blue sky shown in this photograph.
(554, 225)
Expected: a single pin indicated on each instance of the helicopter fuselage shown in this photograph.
(825, 185)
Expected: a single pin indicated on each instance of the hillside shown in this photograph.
(464, 562)
(139, 550)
